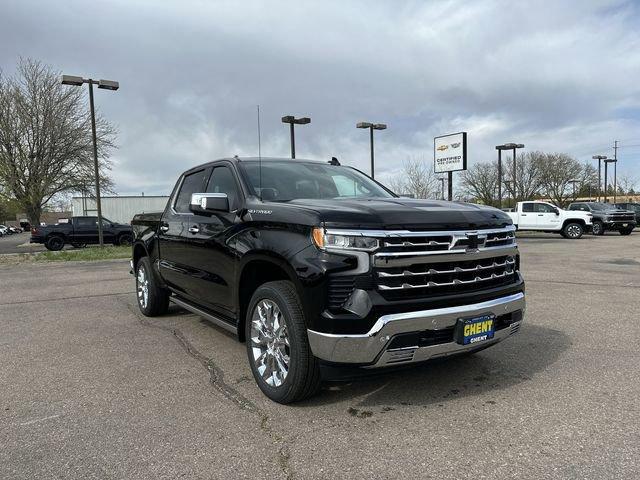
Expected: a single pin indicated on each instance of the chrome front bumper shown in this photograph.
(370, 348)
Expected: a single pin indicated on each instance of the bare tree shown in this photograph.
(528, 175)
(480, 182)
(45, 138)
(557, 172)
(417, 179)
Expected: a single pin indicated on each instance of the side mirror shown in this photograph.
(209, 202)
(557, 211)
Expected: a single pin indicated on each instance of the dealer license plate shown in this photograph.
(476, 329)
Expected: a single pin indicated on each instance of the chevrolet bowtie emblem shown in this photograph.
(473, 241)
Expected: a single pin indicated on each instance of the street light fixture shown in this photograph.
(500, 148)
(105, 85)
(606, 187)
(371, 127)
(291, 120)
(599, 158)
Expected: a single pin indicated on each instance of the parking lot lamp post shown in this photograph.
(515, 146)
(599, 158)
(371, 127)
(500, 148)
(291, 120)
(606, 187)
(573, 183)
(105, 85)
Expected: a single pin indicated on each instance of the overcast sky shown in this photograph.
(556, 76)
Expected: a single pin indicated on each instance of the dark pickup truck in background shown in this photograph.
(81, 231)
(313, 263)
(607, 217)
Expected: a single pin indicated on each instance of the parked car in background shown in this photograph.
(4, 230)
(545, 217)
(632, 207)
(606, 217)
(315, 263)
(81, 231)
(15, 229)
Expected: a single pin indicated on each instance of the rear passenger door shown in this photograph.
(211, 252)
(527, 218)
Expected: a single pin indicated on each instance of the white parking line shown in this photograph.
(30, 422)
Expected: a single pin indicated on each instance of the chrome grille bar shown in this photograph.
(407, 286)
(433, 271)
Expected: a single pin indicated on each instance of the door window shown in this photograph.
(191, 184)
(223, 181)
(84, 222)
(544, 208)
(527, 207)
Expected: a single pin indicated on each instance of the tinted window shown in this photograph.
(223, 181)
(87, 221)
(289, 180)
(544, 208)
(191, 184)
(527, 207)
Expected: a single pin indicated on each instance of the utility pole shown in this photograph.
(615, 170)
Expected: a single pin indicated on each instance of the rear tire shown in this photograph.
(626, 231)
(153, 300)
(125, 239)
(277, 344)
(597, 228)
(572, 230)
(54, 243)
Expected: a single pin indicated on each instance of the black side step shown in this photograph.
(198, 311)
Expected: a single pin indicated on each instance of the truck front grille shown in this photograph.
(443, 263)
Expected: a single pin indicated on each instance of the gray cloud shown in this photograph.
(558, 76)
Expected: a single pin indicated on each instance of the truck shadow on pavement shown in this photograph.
(500, 367)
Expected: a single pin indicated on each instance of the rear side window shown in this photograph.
(191, 184)
(87, 221)
(527, 207)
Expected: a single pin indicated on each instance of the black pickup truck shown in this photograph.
(313, 264)
(81, 231)
(607, 217)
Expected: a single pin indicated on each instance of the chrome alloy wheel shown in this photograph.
(270, 342)
(143, 287)
(574, 231)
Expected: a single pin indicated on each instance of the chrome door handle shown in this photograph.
(164, 228)
(194, 229)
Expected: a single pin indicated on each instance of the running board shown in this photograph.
(215, 320)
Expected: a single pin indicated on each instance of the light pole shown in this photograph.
(291, 120)
(500, 148)
(573, 182)
(606, 187)
(371, 127)
(600, 158)
(105, 85)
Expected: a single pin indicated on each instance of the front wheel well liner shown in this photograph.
(254, 274)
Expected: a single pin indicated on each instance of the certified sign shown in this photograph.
(450, 152)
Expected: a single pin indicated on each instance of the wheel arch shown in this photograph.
(579, 221)
(256, 270)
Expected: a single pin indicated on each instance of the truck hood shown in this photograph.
(403, 214)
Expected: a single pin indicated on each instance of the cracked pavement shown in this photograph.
(92, 389)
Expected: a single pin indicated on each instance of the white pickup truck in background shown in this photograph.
(545, 217)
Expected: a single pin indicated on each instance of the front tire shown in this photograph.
(597, 228)
(626, 231)
(125, 239)
(277, 344)
(572, 230)
(153, 300)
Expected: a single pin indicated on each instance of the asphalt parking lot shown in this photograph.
(93, 390)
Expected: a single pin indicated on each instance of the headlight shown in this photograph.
(330, 241)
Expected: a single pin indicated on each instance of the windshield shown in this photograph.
(600, 206)
(283, 181)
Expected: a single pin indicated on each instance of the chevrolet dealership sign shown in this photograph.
(450, 152)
